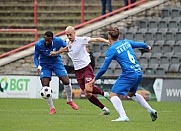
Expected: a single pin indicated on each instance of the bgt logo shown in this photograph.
(3, 84)
(13, 84)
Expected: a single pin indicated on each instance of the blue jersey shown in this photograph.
(122, 51)
(42, 53)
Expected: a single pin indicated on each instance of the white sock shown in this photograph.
(105, 108)
(139, 98)
(50, 102)
(68, 90)
(118, 105)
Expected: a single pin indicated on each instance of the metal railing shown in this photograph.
(23, 47)
(77, 26)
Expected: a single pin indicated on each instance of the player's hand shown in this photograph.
(149, 49)
(52, 53)
(108, 42)
(39, 69)
(92, 82)
(66, 49)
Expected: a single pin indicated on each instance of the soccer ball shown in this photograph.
(46, 92)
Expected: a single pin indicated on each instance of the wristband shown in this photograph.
(39, 67)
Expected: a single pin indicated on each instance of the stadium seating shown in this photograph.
(151, 69)
(138, 55)
(164, 59)
(150, 42)
(153, 24)
(143, 67)
(156, 48)
(100, 60)
(175, 12)
(174, 59)
(162, 69)
(97, 47)
(154, 59)
(173, 24)
(159, 36)
(177, 47)
(163, 34)
(129, 35)
(109, 71)
(169, 36)
(174, 69)
(149, 36)
(143, 24)
(162, 25)
(139, 36)
(104, 48)
(167, 48)
(178, 36)
(165, 13)
(117, 71)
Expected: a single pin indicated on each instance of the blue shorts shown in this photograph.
(127, 83)
(58, 69)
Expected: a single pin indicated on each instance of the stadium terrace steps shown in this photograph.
(51, 20)
(52, 15)
(42, 13)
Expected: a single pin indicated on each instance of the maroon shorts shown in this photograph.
(84, 75)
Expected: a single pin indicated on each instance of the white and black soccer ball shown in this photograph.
(46, 92)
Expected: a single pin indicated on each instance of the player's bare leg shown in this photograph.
(94, 100)
(95, 90)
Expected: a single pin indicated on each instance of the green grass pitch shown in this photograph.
(32, 115)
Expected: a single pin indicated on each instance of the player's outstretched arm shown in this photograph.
(61, 50)
(99, 39)
(140, 45)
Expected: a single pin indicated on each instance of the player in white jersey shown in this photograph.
(83, 70)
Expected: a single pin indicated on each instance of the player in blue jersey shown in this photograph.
(47, 64)
(127, 83)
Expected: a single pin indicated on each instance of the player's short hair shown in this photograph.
(114, 33)
(48, 34)
(69, 28)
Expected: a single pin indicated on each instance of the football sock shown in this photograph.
(50, 102)
(68, 89)
(138, 98)
(118, 105)
(95, 101)
(96, 90)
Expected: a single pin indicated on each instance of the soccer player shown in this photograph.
(47, 64)
(127, 83)
(92, 63)
(83, 70)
